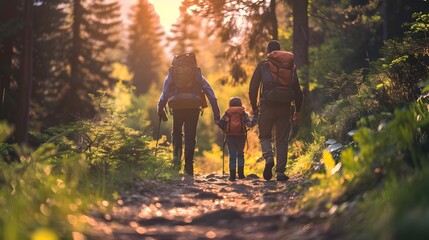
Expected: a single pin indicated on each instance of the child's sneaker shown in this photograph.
(232, 175)
(241, 173)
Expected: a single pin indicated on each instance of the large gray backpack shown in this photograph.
(186, 82)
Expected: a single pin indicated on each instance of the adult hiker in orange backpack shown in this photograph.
(234, 123)
(276, 81)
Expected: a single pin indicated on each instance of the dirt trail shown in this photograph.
(209, 207)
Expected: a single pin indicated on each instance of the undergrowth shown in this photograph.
(46, 193)
(383, 168)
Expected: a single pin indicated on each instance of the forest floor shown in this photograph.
(211, 207)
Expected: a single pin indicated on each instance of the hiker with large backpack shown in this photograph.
(185, 90)
(276, 82)
(234, 123)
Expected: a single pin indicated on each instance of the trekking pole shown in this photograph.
(223, 155)
(157, 136)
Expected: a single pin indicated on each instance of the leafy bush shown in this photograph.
(49, 190)
(405, 205)
(392, 138)
(301, 155)
(36, 194)
(395, 149)
(116, 154)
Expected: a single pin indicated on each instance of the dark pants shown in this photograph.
(275, 117)
(236, 150)
(186, 119)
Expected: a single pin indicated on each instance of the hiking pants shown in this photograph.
(275, 117)
(236, 150)
(186, 119)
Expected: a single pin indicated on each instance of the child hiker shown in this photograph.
(234, 123)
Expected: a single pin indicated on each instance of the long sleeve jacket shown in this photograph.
(207, 89)
(256, 84)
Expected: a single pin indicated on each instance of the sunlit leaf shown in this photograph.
(318, 176)
(379, 86)
(44, 234)
(329, 162)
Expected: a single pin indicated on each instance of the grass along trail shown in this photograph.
(210, 207)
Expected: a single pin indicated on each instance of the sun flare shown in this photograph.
(168, 11)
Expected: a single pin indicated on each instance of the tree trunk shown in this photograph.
(7, 13)
(76, 48)
(71, 104)
(22, 118)
(300, 50)
(385, 20)
(273, 17)
(300, 32)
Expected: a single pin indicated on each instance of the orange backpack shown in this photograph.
(235, 121)
(282, 66)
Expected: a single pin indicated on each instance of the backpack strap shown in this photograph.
(293, 80)
(242, 122)
(228, 121)
(245, 129)
(267, 79)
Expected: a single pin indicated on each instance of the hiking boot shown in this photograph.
(241, 173)
(177, 159)
(187, 179)
(231, 174)
(281, 177)
(268, 170)
(189, 162)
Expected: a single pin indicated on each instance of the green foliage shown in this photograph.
(421, 23)
(49, 190)
(395, 148)
(397, 76)
(405, 207)
(35, 193)
(391, 82)
(391, 139)
(74, 49)
(117, 154)
(302, 155)
(354, 99)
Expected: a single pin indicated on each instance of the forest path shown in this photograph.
(210, 207)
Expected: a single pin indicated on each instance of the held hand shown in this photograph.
(221, 124)
(162, 115)
(254, 121)
(296, 116)
(255, 113)
(216, 119)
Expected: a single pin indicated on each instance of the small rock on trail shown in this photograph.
(224, 215)
(207, 195)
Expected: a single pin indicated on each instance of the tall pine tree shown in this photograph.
(10, 26)
(185, 32)
(145, 53)
(51, 53)
(95, 30)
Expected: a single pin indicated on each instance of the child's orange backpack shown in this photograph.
(235, 121)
